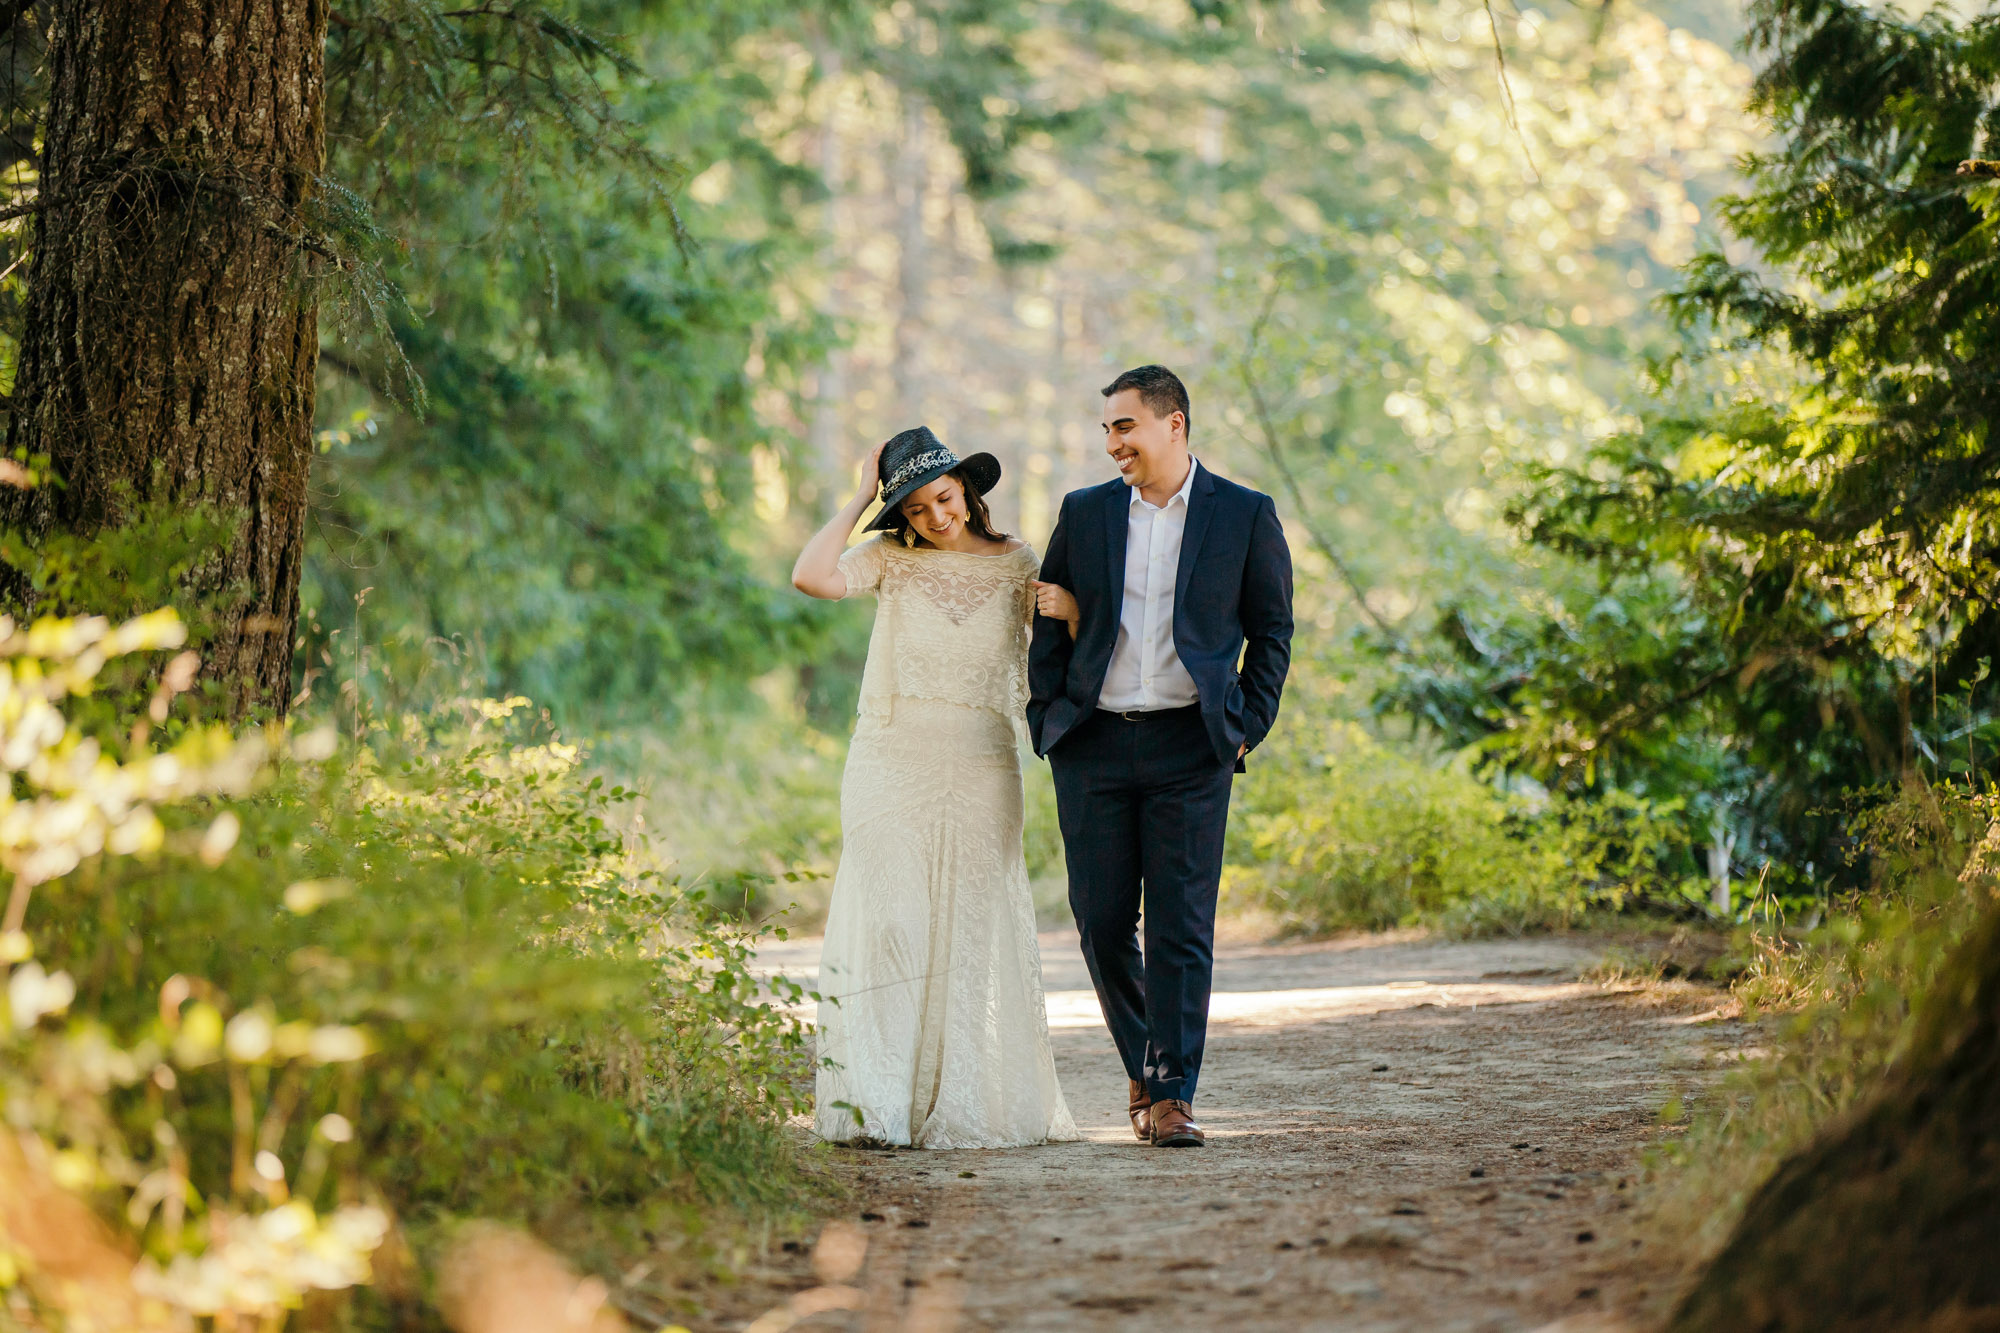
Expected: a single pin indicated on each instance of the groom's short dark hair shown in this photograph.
(1160, 390)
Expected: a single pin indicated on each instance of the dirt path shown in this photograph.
(1403, 1134)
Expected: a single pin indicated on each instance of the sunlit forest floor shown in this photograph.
(1405, 1133)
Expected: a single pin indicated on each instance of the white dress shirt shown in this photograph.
(1146, 674)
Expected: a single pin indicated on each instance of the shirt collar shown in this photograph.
(1187, 485)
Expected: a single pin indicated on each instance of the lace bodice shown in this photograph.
(934, 1031)
(952, 627)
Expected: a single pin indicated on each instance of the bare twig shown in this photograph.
(1275, 449)
(1507, 92)
(345, 366)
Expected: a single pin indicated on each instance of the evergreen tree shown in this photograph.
(1873, 497)
(485, 197)
(1786, 591)
(567, 496)
(1788, 576)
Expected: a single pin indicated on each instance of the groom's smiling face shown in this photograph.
(1148, 449)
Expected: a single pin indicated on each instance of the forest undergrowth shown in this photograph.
(311, 1019)
(1832, 1004)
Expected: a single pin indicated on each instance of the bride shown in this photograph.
(933, 1030)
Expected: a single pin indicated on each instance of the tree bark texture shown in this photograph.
(172, 329)
(1890, 1221)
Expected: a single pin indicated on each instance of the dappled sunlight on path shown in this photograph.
(1261, 985)
(1281, 1008)
(1405, 1133)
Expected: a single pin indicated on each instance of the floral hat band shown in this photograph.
(915, 458)
(923, 462)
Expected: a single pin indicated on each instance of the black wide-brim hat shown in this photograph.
(915, 458)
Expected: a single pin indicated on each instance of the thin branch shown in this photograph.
(1417, 40)
(318, 245)
(1276, 450)
(1507, 92)
(1633, 716)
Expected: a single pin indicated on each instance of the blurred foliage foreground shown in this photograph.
(282, 1012)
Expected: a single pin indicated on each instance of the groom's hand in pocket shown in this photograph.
(1056, 602)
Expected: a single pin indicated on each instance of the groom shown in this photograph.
(1154, 587)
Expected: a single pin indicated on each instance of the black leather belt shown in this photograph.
(1150, 715)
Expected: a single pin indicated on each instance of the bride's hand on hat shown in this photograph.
(871, 471)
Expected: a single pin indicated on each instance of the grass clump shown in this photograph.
(1833, 1006)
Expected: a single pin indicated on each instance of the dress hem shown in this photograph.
(988, 1145)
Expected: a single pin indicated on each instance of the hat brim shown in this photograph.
(982, 473)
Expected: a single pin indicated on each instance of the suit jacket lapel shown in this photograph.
(1201, 504)
(1117, 527)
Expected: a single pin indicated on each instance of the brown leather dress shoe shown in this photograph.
(1139, 1106)
(1174, 1126)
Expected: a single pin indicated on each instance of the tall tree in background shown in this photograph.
(577, 506)
(171, 328)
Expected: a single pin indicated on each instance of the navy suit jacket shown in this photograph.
(1232, 601)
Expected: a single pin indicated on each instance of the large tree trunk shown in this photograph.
(1890, 1221)
(172, 330)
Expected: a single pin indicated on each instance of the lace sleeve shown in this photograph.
(862, 566)
(1031, 569)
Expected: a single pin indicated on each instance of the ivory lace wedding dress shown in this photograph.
(933, 1030)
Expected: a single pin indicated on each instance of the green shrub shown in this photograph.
(1336, 831)
(417, 977)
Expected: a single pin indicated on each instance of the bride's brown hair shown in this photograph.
(977, 516)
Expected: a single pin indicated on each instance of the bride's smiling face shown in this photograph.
(937, 512)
